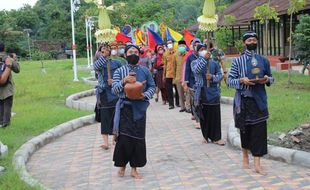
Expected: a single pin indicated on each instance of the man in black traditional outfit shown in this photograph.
(248, 75)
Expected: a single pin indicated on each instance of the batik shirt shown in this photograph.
(211, 94)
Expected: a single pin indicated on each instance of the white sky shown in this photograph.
(15, 4)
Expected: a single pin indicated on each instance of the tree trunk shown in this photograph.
(290, 51)
(267, 44)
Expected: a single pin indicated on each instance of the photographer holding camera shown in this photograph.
(7, 64)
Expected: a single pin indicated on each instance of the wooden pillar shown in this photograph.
(233, 34)
(262, 37)
(284, 34)
(270, 42)
(274, 40)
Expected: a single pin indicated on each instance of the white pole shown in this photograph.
(87, 44)
(29, 45)
(73, 45)
(91, 46)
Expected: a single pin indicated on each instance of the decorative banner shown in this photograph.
(154, 39)
(139, 36)
(152, 25)
(126, 29)
(173, 35)
(188, 37)
(162, 29)
(120, 37)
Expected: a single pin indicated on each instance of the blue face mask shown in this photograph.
(121, 51)
(182, 49)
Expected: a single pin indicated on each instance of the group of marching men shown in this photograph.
(195, 73)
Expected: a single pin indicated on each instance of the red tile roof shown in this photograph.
(243, 10)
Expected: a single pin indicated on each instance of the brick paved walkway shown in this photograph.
(177, 159)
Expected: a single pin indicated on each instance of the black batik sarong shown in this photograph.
(107, 111)
(130, 146)
(254, 138)
(211, 123)
(253, 127)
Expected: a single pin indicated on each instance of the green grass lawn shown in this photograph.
(39, 104)
(289, 105)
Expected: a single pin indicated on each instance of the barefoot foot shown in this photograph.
(104, 147)
(246, 166)
(260, 171)
(121, 172)
(135, 174)
(220, 142)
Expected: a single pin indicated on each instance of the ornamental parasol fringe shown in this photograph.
(208, 21)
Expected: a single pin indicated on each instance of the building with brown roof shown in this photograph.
(278, 32)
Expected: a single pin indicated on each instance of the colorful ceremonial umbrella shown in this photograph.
(208, 21)
(105, 33)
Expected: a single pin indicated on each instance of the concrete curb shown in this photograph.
(72, 101)
(85, 68)
(88, 80)
(287, 155)
(23, 154)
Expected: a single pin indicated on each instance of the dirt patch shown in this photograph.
(298, 138)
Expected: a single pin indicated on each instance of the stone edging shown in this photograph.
(287, 155)
(72, 101)
(23, 154)
(88, 80)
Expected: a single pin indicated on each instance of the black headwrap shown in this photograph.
(181, 42)
(199, 46)
(130, 46)
(249, 34)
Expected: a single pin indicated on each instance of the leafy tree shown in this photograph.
(229, 20)
(295, 6)
(302, 39)
(223, 38)
(50, 19)
(239, 46)
(264, 13)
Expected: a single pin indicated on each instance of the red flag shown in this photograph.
(188, 37)
(120, 37)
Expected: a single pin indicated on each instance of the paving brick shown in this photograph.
(177, 159)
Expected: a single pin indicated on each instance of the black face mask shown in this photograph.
(251, 47)
(132, 59)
